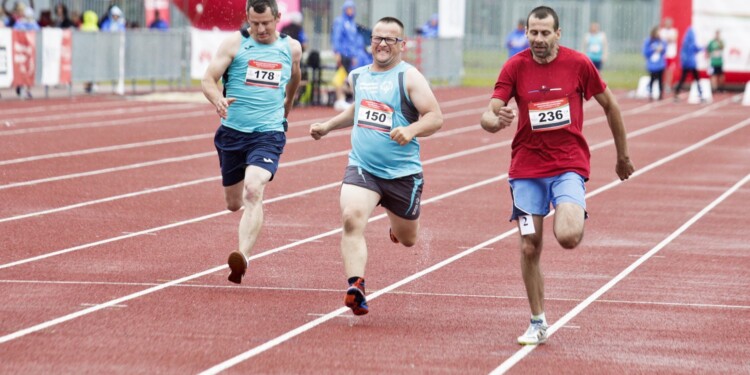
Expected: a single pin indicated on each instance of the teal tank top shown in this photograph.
(380, 104)
(595, 46)
(257, 78)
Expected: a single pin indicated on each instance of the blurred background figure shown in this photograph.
(687, 59)
(25, 21)
(62, 20)
(158, 23)
(90, 23)
(430, 28)
(295, 30)
(715, 51)
(668, 33)
(654, 50)
(349, 49)
(595, 46)
(516, 40)
(115, 22)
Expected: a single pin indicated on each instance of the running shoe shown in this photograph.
(390, 234)
(238, 265)
(355, 298)
(536, 333)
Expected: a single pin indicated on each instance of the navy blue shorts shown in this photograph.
(401, 195)
(237, 150)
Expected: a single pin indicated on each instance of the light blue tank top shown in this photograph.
(595, 46)
(257, 78)
(380, 104)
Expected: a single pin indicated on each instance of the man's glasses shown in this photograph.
(388, 41)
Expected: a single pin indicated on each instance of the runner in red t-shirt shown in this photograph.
(550, 156)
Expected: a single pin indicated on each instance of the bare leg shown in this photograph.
(357, 204)
(406, 231)
(251, 222)
(569, 218)
(533, 279)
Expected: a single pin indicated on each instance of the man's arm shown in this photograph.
(608, 102)
(291, 87)
(217, 67)
(342, 120)
(430, 116)
(497, 116)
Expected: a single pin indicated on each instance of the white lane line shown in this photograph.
(68, 317)
(312, 324)
(521, 354)
(109, 199)
(392, 293)
(109, 113)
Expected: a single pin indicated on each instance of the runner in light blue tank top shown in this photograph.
(381, 104)
(257, 78)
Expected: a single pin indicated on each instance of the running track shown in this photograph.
(113, 238)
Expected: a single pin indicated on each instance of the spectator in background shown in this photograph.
(295, 30)
(158, 23)
(4, 18)
(430, 28)
(76, 18)
(26, 21)
(517, 41)
(687, 59)
(669, 33)
(89, 24)
(115, 22)
(62, 20)
(595, 46)
(654, 50)
(347, 43)
(45, 18)
(715, 51)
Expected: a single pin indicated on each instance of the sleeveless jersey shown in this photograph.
(380, 104)
(257, 78)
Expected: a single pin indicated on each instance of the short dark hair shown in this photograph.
(543, 12)
(259, 6)
(392, 20)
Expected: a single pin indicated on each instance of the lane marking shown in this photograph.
(392, 293)
(309, 325)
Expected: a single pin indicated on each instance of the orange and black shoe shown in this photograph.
(355, 296)
(393, 238)
(237, 265)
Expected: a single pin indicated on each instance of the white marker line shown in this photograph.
(312, 324)
(395, 292)
(519, 355)
(299, 330)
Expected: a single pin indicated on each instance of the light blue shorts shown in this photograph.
(532, 196)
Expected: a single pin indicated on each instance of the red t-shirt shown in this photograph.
(549, 139)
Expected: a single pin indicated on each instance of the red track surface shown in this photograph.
(113, 238)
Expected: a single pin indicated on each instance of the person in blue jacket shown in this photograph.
(654, 50)
(689, 49)
(430, 28)
(517, 40)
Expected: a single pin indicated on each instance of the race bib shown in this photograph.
(375, 115)
(549, 115)
(264, 74)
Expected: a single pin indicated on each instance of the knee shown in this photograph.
(234, 206)
(352, 220)
(252, 194)
(570, 240)
(409, 241)
(530, 249)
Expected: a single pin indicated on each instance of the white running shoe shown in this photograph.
(536, 333)
(341, 105)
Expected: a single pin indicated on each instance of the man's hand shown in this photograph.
(318, 131)
(624, 168)
(492, 122)
(222, 105)
(402, 135)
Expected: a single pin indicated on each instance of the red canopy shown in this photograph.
(207, 14)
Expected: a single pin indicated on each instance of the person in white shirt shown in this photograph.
(669, 34)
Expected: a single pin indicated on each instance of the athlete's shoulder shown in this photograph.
(572, 55)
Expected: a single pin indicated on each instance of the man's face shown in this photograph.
(542, 36)
(262, 25)
(384, 53)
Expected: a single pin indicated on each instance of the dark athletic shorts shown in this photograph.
(237, 150)
(400, 196)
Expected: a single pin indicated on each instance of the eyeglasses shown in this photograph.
(388, 41)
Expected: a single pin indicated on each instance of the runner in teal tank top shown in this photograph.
(261, 72)
(393, 105)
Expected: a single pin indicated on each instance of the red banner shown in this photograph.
(24, 57)
(66, 57)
